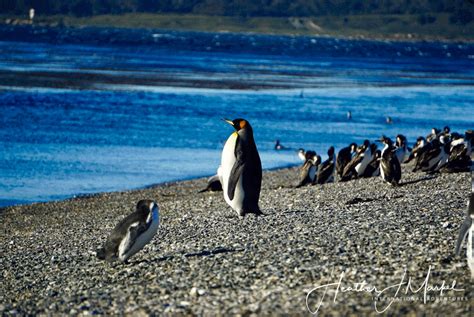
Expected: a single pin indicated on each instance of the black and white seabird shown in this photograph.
(132, 233)
(344, 157)
(278, 146)
(417, 149)
(467, 230)
(373, 169)
(459, 159)
(309, 169)
(326, 169)
(390, 169)
(241, 169)
(433, 156)
(433, 135)
(358, 163)
(401, 149)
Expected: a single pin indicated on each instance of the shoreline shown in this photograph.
(394, 38)
(204, 257)
(145, 187)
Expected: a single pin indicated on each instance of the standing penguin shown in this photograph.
(132, 233)
(358, 163)
(327, 168)
(309, 169)
(401, 149)
(390, 169)
(344, 157)
(241, 169)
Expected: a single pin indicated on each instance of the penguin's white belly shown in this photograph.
(227, 162)
(360, 168)
(140, 241)
(382, 170)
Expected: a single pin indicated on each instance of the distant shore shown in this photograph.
(205, 260)
(375, 27)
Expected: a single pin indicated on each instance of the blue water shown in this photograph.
(132, 113)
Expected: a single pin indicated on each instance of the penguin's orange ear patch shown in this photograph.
(243, 124)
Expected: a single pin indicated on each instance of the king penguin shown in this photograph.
(132, 233)
(467, 230)
(241, 169)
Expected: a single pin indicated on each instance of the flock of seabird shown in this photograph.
(441, 151)
(240, 177)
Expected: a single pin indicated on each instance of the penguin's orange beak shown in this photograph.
(228, 121)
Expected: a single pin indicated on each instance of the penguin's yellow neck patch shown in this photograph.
(235, 134)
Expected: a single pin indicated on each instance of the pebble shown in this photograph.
(266, 265)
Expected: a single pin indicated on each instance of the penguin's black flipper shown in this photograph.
(463, 233)
(234, 177)
(237, 169)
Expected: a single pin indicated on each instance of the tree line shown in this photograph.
(462, 11)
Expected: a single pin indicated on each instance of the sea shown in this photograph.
(89, 110)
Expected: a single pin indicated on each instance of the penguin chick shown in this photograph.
(241, 174)
(132, 233)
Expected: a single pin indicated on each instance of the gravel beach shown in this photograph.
(206, 260)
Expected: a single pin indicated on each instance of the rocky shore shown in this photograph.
(205, 260)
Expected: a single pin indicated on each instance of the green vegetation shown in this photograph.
(404, 19)
(414, 26)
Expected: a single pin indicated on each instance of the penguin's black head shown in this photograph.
(419, 141)
(446, 129)
(145, 206)
(309, 155)
(373, 147)
(353, 147)
(238, 124)
(385, 140)
(366, 143)
(401, 140)
(331, 151)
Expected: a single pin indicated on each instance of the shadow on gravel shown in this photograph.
(426, 178)
(359, 200)
(214, 252)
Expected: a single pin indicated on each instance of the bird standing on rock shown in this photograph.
(309, 169)
(344, 157)
(327, 168)
(390, 169)
(132, 233)
(241, 169)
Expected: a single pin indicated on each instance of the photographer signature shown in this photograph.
(425, 288)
